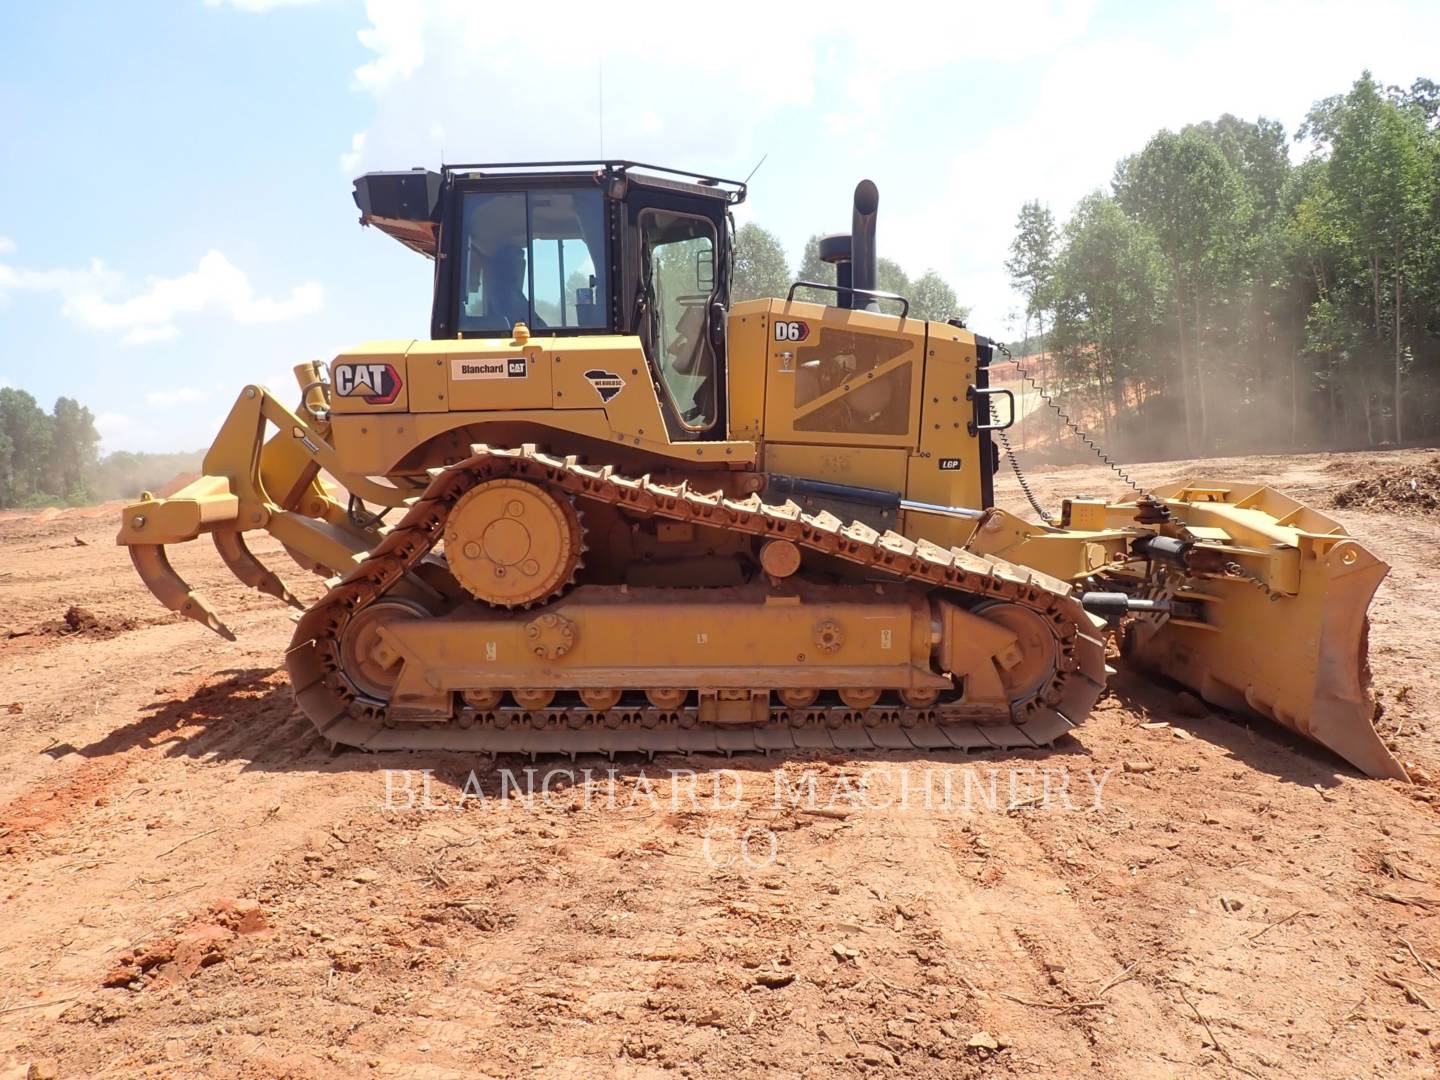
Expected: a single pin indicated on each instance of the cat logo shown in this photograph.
(606, 383)
(375, 384)
(791, 330)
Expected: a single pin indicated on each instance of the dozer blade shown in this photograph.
(245, 566)
(170, 588)
(1290, 644)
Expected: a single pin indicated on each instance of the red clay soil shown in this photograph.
(192, 884)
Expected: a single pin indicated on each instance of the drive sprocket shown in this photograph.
(511, 543)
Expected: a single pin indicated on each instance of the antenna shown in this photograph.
(757, 166)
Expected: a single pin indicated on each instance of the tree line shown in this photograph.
(762, 270)
(45, 457)
(1219, 296)
(53, 458)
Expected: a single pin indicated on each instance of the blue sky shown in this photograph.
(175, 213)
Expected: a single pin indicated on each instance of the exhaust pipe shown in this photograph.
(862, 243)
(835, 250)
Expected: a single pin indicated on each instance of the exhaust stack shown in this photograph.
(862, 244)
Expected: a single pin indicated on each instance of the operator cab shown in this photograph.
(573, 249)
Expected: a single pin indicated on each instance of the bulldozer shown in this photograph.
(605, 508)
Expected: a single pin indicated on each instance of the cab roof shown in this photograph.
(407, 205)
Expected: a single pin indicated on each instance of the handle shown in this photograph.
(837, 290)
(978, 394)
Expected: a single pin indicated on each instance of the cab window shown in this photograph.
(532, 257)
(679, 285)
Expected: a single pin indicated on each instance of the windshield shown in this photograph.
(680, 281)
(532, 257)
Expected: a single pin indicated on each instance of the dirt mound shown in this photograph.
(81, 620)
(1410, 487)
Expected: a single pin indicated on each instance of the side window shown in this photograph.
(495, 289)
(567, 230)
(533, 257)
(679, 283)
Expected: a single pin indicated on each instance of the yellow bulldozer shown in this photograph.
(604, 508)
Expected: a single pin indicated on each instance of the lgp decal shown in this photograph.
(791, 330)
(487, 367)
(606, 383)
(376, 384)
(949, 464)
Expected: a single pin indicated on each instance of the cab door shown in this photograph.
(681, 294)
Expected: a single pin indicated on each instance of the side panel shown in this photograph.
(947, 466)
(748, 339)
(596, 387)
(841, 377)
(862, 466)
(370, 378)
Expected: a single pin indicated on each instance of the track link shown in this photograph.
(345, 715)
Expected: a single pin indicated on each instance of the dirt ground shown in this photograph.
(192, 884)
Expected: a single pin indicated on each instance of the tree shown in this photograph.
(1383, 177)
(813, 269)
(931, 298)
(1032, 259)
(1108, 289)
(1186, 192)
(75, 454)
(760, 267)
(1256, 151)
(891, 278)
(7, 495)
(29, 430)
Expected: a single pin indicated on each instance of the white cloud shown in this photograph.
(704, 93)
(1102, 99)
(396, 36)
(96, 298)
(148, 335)
(690, 92)
(961, 113)
(183, 395)
(259, 7)
(350, 160)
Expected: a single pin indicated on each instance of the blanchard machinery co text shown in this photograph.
(958, 790)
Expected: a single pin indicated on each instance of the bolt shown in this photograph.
(139, 521)
(250, 391)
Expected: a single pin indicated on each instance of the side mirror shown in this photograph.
(705, 270)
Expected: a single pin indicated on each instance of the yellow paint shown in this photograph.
(862, 466)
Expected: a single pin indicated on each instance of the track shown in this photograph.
(345, 715)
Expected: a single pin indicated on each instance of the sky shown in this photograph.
(175, 178)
